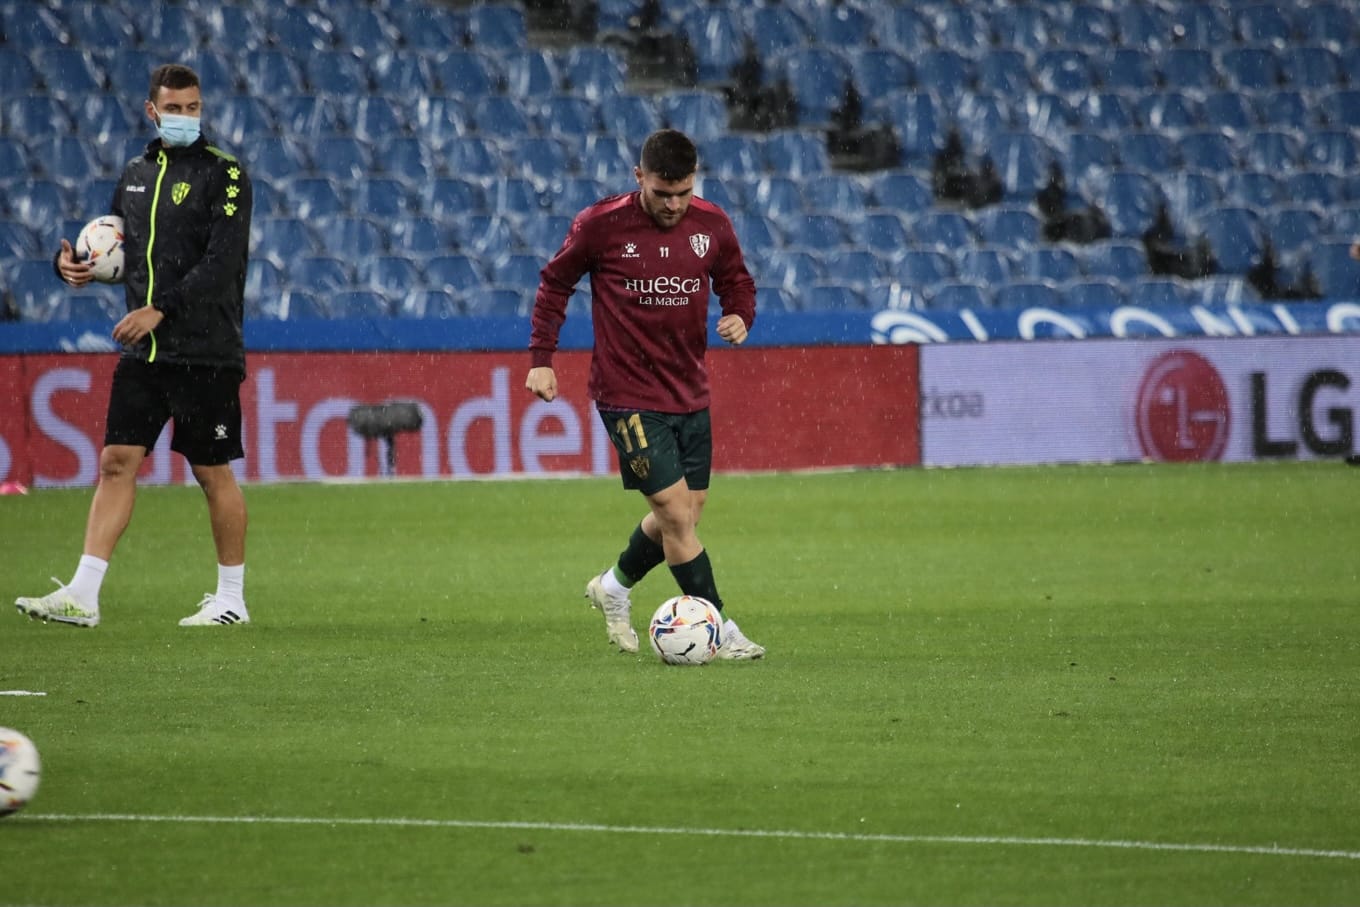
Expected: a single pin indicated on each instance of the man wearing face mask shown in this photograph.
(186, 208)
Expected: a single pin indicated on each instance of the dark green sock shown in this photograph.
(638, 559)
(696, 578)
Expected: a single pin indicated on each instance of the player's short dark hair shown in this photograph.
(173, 76)
(669, 154)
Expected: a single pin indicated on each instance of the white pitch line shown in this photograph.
(1261, 850)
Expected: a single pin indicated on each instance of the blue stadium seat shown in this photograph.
(530, 73)
(814, 232)
(497, 26)
(842, 194)
(264, 280)
(1337, 273)
(1342, 107)
(1251, 188)
(419, 236)
(33, 115)
(469, 73)
(34, 26)
(1005, 71)
(393, 276)
(1086, 25)
(1285, 109)
(336, 72)
(853, 267)
(375, 117)
(945, 72)
(982, 116)
(1145, 25)
(428, 29)
(881, 230)
(449, 198)
(1345, 220)
(1223, 289)
(1108, 112)
(270, 72)
(383, 197)
(1234, 234)
(408, 158)
(503, 116)
(730, 195)
(833, 297)
(239, 120)
(797, 153)
(366, 29)
(1249, 68)
(307, 116)
(456, 272)
(1028, 294)
(69, 72)
(1088, 153)
(792, 268)
(818, 76)
(943, 230)
(1117, 259)
(342, 157)
(775, 298)
(574, 194)
(1051, 263)
(486, 234)
(961, 28)
(1014, 226)
(514, 196)
(957, 295)
(93, 303)
(776, 196)
(1201, 24)
(320, 274)
(1329, 24)
(1311, 68)
(1295, 228)
(1164, 111)
(1064, 70)
(40, 203)
(428, 304)
(14, 161)
(1153, 152)
(1188, 192)
(610, 159)
(986, 264)
(1189, 67)
(878, 70)
(630, 115)
(756, 232)
(359, 304)
(568, 116)
(36, 291)
(1047, 115)
(96, 25)
(1026, 27)
(1275, 150)
(900, 189)
(925, 267)
(352, 237)
(544, 158)
(1263, 23)
(845, 24)
(472, 156)
(294, 304)
(716, 34)
(17, 75)
(919, 120)
(1092, 291)
(734, 155)
(1022, 162)
(401, 74)
(776, 28)
(306, 30)
(1130, 201)
(281, 239)
(1229, 110)
(700, 114)
(1159, 291)
(18, 240)
(69, 159)
(1210, 149)
(904, 26)
(278, 156)
(594, 73)
(1314, 186)
(312, 197)
(1330, 149)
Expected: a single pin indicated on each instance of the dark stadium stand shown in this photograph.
(420, 159)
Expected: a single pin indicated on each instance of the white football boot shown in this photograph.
(212, 613)
(735, 646)
(616, 611)
(60, 606)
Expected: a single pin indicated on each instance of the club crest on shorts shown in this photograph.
(641, 466)
(699, 243)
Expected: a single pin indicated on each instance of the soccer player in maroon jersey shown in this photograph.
(652, 255)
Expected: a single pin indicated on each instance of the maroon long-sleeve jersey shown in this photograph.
(650, 289)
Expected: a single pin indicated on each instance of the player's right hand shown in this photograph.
(542, 382)
(76, 273)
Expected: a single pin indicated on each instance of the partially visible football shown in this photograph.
(20, 770)
(101, 244)
(686, 630)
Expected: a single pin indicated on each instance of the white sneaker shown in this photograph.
(212, 613)
(616, 615)
(735, 646)
(60, 606)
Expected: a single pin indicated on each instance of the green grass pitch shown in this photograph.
(1076, 685)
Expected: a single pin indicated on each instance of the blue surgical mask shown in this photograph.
(177, 131)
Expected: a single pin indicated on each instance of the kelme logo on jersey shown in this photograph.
(179, 192)
(699, 242)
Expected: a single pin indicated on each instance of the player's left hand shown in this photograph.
(135, 325)
(732, 329)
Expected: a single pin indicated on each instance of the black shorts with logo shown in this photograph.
(204, 402)
(656, 450)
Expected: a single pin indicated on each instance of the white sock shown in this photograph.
(612, 585)
(89, 577)
(231, 584)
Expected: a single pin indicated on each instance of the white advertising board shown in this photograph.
(1180, 400)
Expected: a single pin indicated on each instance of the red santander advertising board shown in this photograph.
(773, 409)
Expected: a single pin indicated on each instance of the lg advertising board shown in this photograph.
(1182, 400)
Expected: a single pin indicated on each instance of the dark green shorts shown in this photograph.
(656, 450)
